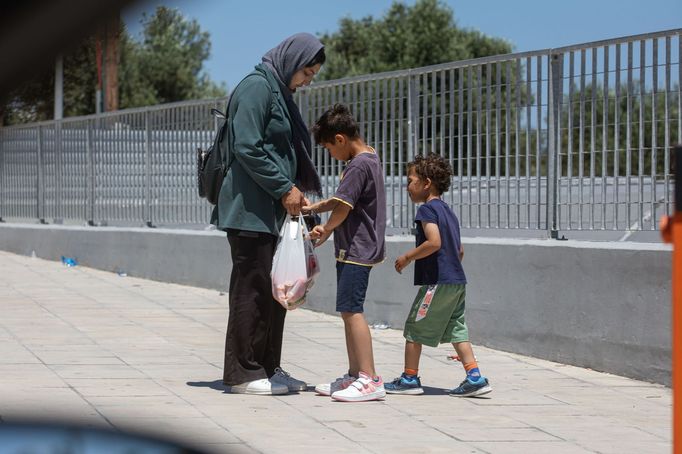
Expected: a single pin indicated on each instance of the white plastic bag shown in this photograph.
(294, 266)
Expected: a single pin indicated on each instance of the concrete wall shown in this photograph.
(602, 305)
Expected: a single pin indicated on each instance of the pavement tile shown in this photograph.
(103, 387)
(224, 448)
(189, 430)
(95, 371)
(64, 357)
(586, 435)
(159, 412)
(12, 352)
(628, 446)
(504, 447)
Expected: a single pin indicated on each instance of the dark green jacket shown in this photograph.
(263, 160)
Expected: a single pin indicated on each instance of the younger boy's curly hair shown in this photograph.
(434, 167)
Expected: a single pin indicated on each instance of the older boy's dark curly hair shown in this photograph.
(336, 120)
(434, 167)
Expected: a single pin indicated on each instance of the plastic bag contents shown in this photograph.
(294, 266)
(312, 265)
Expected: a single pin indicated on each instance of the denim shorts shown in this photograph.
(351, 287)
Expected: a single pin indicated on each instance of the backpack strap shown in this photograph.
(227, 113)
(218, 114)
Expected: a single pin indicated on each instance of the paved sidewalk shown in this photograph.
(132, 354)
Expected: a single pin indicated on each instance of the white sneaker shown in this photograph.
(361, 390)
(287, 380)
(327, 389)
(262, 387)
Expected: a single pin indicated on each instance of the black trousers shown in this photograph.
(253, 345)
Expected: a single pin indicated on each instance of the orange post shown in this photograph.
(671, 231)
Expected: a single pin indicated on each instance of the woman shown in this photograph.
(270, 170)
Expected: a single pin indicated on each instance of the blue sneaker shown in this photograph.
(404, 385)
(469, 388)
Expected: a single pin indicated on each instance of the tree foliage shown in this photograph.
(628, 131)
(405, 37)
(166, 65)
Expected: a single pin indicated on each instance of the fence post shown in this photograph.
(216, 106)
(553, 140)
(40, 180)
(148, 169)
(412, 135)
(58, 174)
(90, 187)
(301, 101)
(2, 174)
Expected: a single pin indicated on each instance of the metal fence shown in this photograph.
(133, 166)
(556, 139)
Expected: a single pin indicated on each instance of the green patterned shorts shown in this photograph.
(437, 315)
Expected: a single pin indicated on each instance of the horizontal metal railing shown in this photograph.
(555, 139)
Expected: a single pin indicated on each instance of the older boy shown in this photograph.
(358, 220)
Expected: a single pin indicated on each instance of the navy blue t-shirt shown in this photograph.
(443, 266)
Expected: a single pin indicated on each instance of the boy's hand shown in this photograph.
(307, 206)
(401, 263)
(320, 234)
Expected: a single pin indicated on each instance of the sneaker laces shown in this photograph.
(468, 380)
(282, 372)
(286, 376)
(397, 380)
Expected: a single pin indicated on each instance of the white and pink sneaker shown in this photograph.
(327, 389)
(361, 390)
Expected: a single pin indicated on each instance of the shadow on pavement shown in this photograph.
(215, 384)
(431, 391)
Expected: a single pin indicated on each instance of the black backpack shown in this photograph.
(210, 167)
(211, 170)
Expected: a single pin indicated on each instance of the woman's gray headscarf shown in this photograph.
(284, 61)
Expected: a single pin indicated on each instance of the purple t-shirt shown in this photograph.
(360, 238)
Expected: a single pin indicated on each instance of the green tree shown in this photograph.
(415, 36)
(613, 155)
(167, 65)
(135, 89)
(405, 37)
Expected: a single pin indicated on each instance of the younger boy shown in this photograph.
(437, 314)
(358, 220)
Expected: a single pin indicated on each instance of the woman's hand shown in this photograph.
(293, 201)
(401, 262)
